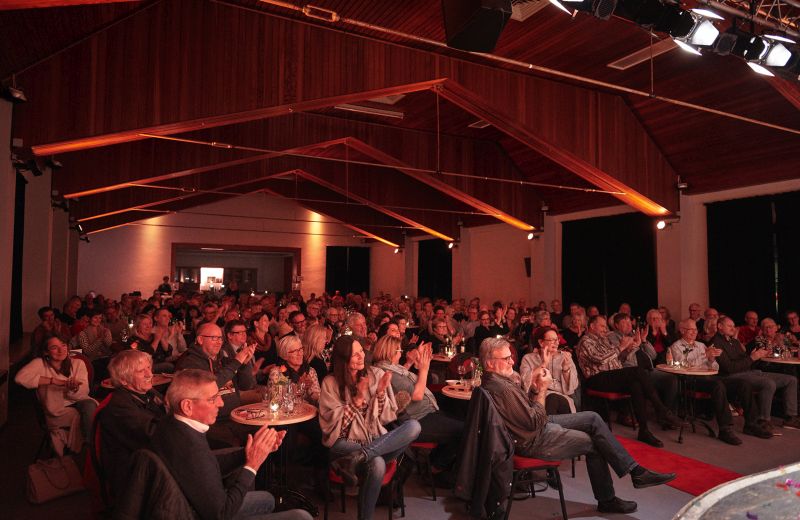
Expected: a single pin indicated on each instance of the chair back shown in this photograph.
(94, 477)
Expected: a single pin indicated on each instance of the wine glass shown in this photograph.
(461, 371)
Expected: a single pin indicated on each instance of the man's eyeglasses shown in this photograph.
(295, 351)
(506, 359)
(212, 338)
(298, 322)
(238, 332)
(209, 400)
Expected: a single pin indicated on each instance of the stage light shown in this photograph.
(398, 250)
(661, 224)
(777, 56)
(602, 9)
(451, 245)
(686, 47)
(708, 13)
(13, 94)
(530, 235)
(760, 69)
(750, 47)
(704, 34)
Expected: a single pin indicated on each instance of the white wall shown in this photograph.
(136, 256)
(36, 248)
(387, 270)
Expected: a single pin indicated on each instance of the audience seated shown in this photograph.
(194, 401)
(602, 367)
(315, 341)
(418, 402)
(62, 388)
(562, 393)
(750, 329)
(129, 419)
(694, 354)
(356, 404)
(737, 365)
(558, 437)
(50, 325)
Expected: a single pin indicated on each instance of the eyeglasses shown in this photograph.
(506, 359)
(295, 351)
(238, 332)
(212, 338)
(209, 400)
(298, 322)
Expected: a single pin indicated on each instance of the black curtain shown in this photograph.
(741, 256)
(15, 326)
(435, 269)
(610, 260)
(347, 269)
(787, 231)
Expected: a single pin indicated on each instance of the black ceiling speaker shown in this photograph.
(475, 25)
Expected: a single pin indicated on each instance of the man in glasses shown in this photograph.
(206, 354)
(179, 440)
(298, 322)
(558, 437)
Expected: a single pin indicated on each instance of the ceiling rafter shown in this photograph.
(462, 97)
(7, 5)
(224, 120)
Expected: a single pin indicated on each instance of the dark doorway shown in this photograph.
(753, 254)
(347, 269)
(15, 325)
(610, 260)
(435, 268)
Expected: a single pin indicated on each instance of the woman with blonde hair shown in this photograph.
(315, 339)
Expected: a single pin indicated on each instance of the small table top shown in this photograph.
(687, 371)
(259, 414)
(158, 380)
(441, 358)
(784, 361)
(458, 392)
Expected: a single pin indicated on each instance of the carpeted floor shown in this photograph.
(693, 476)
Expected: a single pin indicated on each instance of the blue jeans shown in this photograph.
(584, 433)
(384, 448)
(258, 505)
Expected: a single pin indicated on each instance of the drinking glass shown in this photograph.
(461, 371)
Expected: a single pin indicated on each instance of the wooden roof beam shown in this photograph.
(472, 103)
(7, 5)
(437, 184)
(373, 205)
(225, 119)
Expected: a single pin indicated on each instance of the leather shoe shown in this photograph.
(651, 478)
(617, 505)
(756, 431)
(729, 437)
(347, 466)
(648, 438)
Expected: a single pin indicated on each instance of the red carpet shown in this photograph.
(694, 477)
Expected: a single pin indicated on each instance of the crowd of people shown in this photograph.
(367, 365)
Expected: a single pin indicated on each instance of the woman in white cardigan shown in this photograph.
(356, 402)
(562, 392)
(62, 387)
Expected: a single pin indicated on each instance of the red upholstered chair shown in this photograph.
(93, 471)
(388, 480)
(605, 397)
(524, 467)
(422, 450)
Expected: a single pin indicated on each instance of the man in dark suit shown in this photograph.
(206, 354)
(194, 400)
(130, 418)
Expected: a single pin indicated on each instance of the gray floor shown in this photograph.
(19, 440)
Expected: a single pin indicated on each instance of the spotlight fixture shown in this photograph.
(702, 34)
(85, 238)
(13, 94)
(54, 164)
(453, 244)
(602, 9)
(682, 185)
(530, 235)
(662, 224)
(750, 47)
(398, 250)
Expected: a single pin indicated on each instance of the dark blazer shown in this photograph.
(485, 467)
(199, 471)
(126, 425)
(244, 378)
(224, 369)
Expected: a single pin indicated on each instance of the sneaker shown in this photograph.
(756, 430)
(727, 436)
(651, 478)
(648, 438)
(617, 505)
(792, 422)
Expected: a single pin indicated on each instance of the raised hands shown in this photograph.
(246, 353)
(259, 446)
(384, 382)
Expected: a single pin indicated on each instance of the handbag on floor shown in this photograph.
(53, 478)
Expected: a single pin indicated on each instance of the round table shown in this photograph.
(259, 414)
(158, 380)
(686, 377)
(441, 358)
(463, 392)
(782, 361)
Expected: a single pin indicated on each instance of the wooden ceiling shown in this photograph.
(160, 106)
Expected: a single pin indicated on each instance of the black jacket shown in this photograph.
(484, 473)
(224, 369)
(126, 425)
(199, 471)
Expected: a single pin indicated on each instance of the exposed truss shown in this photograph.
(784, 13)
